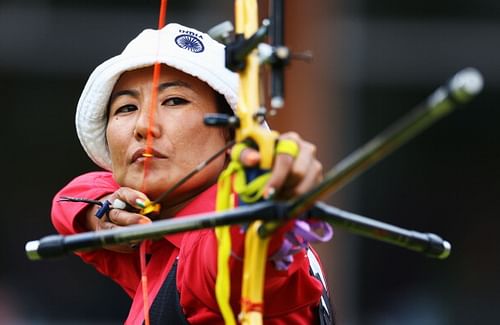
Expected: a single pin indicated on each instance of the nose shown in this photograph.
(147, 123)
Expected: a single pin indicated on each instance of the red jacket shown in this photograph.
(290, 297)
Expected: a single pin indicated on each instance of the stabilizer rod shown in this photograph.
(58, 245)
(428, 244)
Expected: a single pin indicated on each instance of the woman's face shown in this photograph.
(180, 140)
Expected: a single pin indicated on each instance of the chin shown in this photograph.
(153, 189)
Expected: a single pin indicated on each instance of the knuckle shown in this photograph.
(309, 148)
(115, 215)
(291, 135)
(318, 167)
(294, 136)
(298, 173)
(123, 193)
(314, 149)
(104, 225)
(293, 192)
(111, 225)
(119, 193)
(111, 215)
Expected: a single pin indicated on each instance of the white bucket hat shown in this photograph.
(177, 46)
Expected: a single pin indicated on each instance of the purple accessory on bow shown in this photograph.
(302, 233)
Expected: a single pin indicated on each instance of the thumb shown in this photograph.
(249, 157)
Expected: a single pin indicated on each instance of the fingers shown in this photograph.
(294, 176)
(311, 178)
(282, 167)
(125, 218)
(122, 214)
(130, 196)
(291, 176)
(249, 157)
(121, 217)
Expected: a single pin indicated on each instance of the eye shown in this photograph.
(174, 101)
(125, 109)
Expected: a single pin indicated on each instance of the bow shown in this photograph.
(264, 217)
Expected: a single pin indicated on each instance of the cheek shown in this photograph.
(194, 129)
(195, 141)
(117, 140)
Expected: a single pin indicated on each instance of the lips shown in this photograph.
(142, 153)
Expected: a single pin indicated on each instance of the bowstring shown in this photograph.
(149, 146)
(154, 95)
(193, 172)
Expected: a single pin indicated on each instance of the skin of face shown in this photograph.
(180, 140)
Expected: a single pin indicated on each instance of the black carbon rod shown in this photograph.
(428, 244)
(460, 89)
(58, 245)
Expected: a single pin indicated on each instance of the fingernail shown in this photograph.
(269, 193)
(141, 203)
(251, 158)
(144, 221)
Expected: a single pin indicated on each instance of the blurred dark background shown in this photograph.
(373, 61)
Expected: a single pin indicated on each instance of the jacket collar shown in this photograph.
(204, 202)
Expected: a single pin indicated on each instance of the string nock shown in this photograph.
(151, 209)
(222, 32)
(221, 120)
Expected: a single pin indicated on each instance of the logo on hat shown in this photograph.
(189, 42)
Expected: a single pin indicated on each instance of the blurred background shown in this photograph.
(373, 61)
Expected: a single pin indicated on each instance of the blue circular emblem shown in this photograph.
(189, 42)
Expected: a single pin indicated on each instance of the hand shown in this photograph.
(290, 177)
(118, 217)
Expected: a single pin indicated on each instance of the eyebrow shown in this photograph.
(161, 87)
(176, 83)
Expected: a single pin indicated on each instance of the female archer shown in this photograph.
(148, 136)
